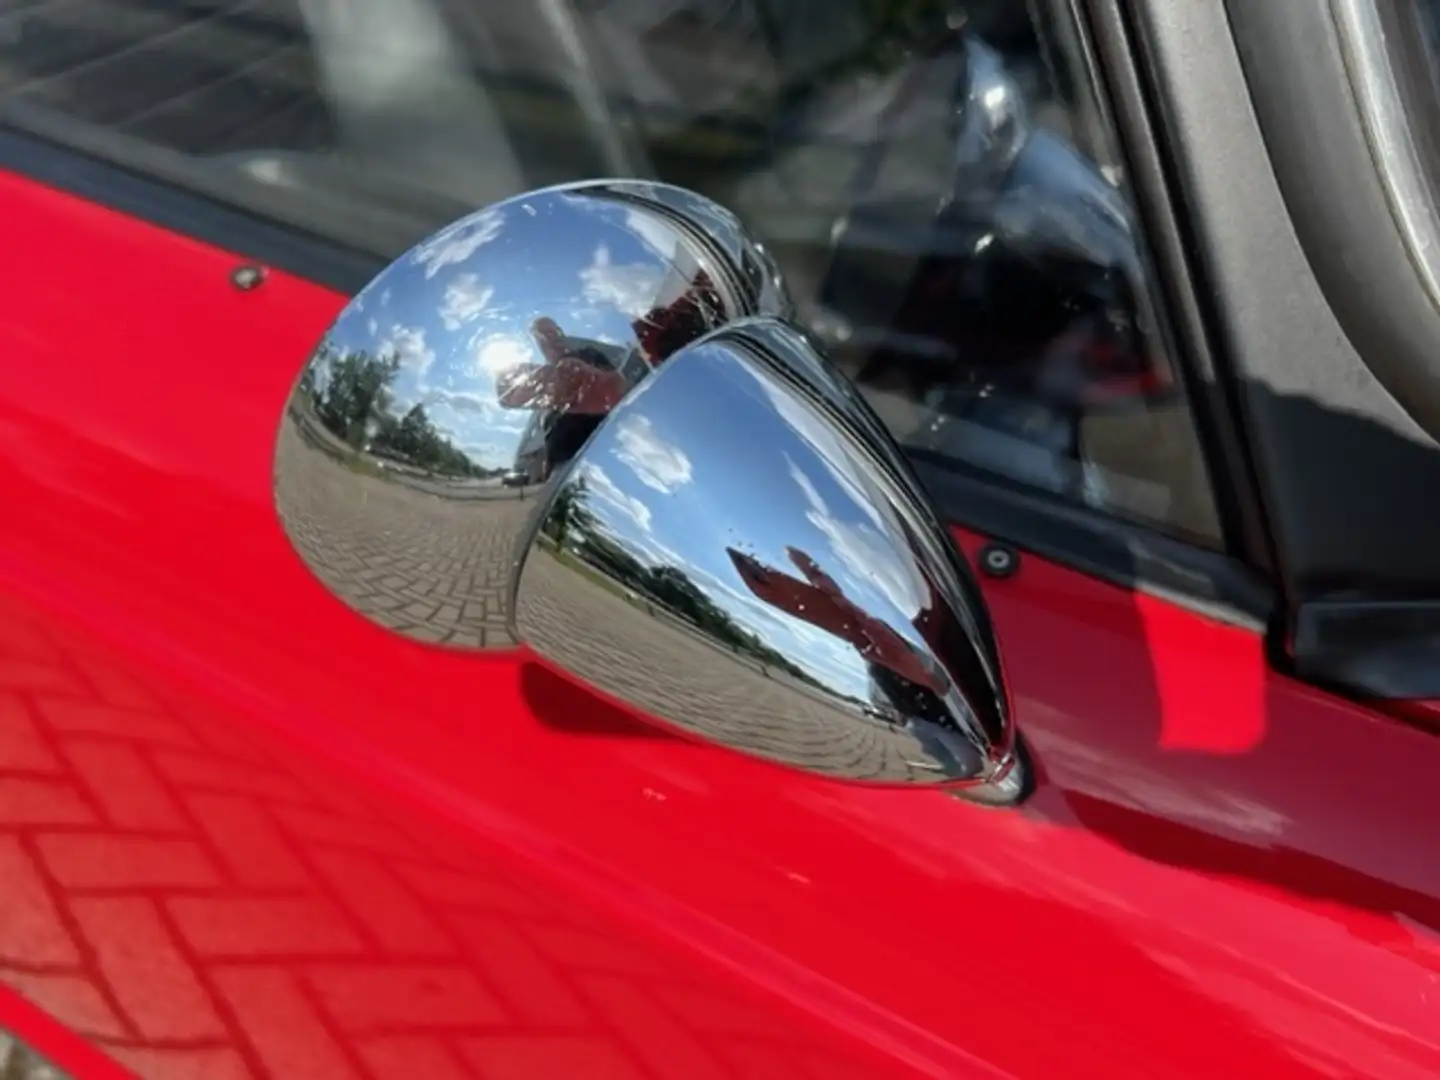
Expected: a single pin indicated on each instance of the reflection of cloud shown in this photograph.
(657, 235)
(828, 445)
(457, 242)
(861, 546)
(368, 293)
(465, 298)
(656, 463)
(469, 424)
(631, 289)
(606, 490)
(864, 551)
(478, 404)
(408, 343)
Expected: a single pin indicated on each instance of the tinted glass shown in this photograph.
(933, 177)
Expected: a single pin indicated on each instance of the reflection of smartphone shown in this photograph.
(585, 388)
(569, 386)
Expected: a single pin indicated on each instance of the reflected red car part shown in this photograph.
(245, 833)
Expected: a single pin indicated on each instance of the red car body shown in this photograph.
(244, 833)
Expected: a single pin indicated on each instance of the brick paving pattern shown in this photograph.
(199, 906)
(432, 566)
(668, 671)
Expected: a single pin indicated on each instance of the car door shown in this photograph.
(245, 831)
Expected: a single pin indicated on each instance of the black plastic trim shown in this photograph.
(1373, 630)
(1293, 53)
(1380, 650)
(1268, 146)
(1189, 300)
(171, 207)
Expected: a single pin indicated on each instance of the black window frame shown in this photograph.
(1326, 328)
(1230, 586)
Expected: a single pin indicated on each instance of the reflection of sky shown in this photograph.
(458, 308)
(692, 465)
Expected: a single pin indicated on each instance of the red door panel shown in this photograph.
(245, 833)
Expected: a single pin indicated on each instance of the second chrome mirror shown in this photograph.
(736, 552)
(731, 543)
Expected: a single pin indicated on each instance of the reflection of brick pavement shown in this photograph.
(199, 906)
(430, 567)
(668, 673)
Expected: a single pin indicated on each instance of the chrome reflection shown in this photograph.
(741, 551)
(465, 374)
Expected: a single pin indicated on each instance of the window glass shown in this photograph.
(931, 175)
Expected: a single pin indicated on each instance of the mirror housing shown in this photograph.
(421, 433)
(581, 420)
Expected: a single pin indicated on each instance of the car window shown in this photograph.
(934, 178)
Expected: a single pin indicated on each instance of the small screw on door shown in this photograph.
(998, 561)
(247, 276)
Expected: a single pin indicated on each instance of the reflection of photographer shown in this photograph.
(909, 687)
(579, 377)
(582, 379)
(570, 393)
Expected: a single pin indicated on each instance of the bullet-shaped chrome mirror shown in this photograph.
(580, 420)
(738, 551)
(427, 421)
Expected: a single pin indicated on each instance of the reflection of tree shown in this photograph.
(416, 441)
(352, 397)
(573, 525)
(345, 387)
(569, 516)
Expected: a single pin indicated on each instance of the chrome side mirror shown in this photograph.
(580, 420)
(419, 437)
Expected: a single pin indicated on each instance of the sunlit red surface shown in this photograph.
(245, 833)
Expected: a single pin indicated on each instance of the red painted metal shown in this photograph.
(245, 833)
(1423, 712)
